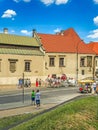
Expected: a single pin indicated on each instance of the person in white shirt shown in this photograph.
(37, 98)
(93, 87)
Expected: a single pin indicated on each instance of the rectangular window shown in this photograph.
(83, 72)
(61, 62)
(96, 72)
(27, 66)
(51, 61)
(96, 62)
(82, 62)
(12, 65)
(0, 66)
(89, 61)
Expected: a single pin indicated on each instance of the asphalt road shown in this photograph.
(47, 95)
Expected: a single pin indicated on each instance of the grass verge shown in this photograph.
(13, 120)
(77, 115)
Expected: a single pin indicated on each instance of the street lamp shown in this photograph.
(77, 64)
(23, 88)
(77, 67)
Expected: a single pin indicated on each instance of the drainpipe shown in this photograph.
(77, 67)
(93, 74)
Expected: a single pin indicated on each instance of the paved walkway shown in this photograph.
(33, 109)
(26, 107)
(24, 110)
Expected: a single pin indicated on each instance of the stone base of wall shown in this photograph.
(8, 87)
(11, 87)
(15, 80)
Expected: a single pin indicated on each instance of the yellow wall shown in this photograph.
(38, 68)
(70, 68)
(7, 77)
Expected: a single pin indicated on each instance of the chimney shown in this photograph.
(33, 32)
(5, 30)
(62, 32)
(57, 33)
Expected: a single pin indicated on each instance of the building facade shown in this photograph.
(94, 47)
(44, 54)
(19, 56)
(67, 54)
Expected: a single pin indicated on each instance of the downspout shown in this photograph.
(94, 67)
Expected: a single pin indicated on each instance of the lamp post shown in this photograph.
(77, 67)
(77, 62)
(23, 88)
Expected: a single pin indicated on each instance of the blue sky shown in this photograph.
(50, 16)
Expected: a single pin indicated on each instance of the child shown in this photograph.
(37, 98)
(33, 97)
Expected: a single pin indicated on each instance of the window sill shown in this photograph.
(62, 66)
(27, 71)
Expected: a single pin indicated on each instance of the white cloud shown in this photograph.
(96, 1)
(12, 31)
(57, 30)
(27, 0)
(47, 2)
(21, 0)
(16, 1)
(93, 34)
(95, 20)
(9, 14)
(57, 2)
(26, 32)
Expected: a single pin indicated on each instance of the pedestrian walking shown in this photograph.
(37, 83)
(29, 82)
(33, 97)
(40, 82)
(26, 83)
(97, 88)
(20, 82)
(93, 88)
(37, 98)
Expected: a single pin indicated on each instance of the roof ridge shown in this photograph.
(16, 35)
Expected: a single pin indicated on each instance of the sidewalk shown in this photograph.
(32, 109)
(25, 110)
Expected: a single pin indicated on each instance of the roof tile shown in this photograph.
(93, 46)
(18, 40)
(68, 42)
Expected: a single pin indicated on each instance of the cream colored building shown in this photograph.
(67, 54)
(20, 57)
(43, 55)
(67, 64)
(94, 47)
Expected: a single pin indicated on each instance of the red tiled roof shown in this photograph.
(68, 42)
(93, 46)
